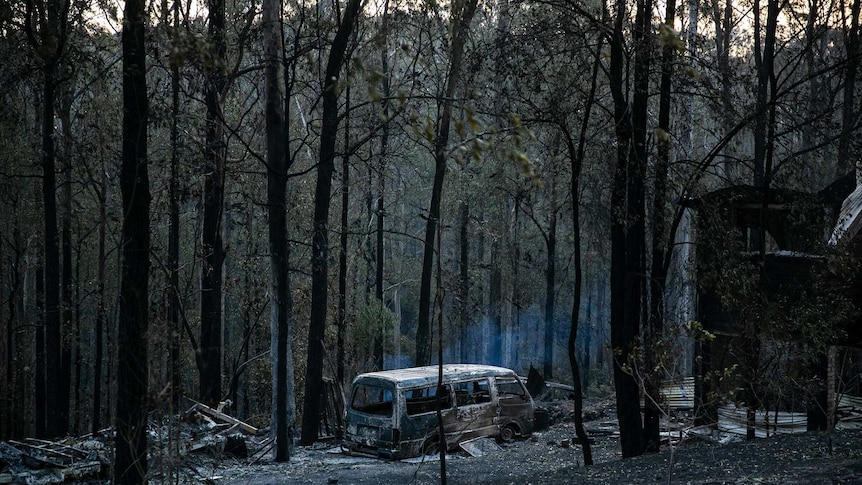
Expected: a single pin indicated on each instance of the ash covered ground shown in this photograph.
(546, 458)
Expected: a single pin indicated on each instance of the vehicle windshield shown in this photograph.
(508, 386)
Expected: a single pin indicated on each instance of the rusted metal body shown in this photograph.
(393, 414)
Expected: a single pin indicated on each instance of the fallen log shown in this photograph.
(203, 408)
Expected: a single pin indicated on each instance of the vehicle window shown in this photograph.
(472, 392)
(424, 400)
(510, 387)
(372, 400)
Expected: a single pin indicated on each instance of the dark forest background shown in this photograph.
(234, 199)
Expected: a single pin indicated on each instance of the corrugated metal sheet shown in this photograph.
(850, 218)
(849, 412)
(678, 394)
(732, 419)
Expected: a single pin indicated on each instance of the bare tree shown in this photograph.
(46, 25)
(628, 214)
(209, 362)
(277, 170)
(661, 238)
(320, 237)
(130, 442)
(462, 15)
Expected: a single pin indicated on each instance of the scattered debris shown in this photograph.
(332, 417)
(226, 419)
(45, 462)
(74, 460)
(849, 412)
(479, 446)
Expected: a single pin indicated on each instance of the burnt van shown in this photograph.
(393, 413)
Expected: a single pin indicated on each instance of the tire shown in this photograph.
(507, 434)
(431, 447)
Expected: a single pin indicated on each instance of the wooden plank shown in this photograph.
(203, 408)
(231, 430)
(43, 453)
(57, 446)
(81, 470)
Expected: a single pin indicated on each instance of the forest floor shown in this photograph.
(546, 458)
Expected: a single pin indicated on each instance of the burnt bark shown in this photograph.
(47, 35)
(576, 159)
(99, 346)
(660, 248)
(39, 391)
(173, 257)
(130, 443)
(278, 165)
(462, 15)
(381, 181)
(209, 361)
(342, 266)
(320, 237)
(66, 331)
(464, 279)
(550, 285)
(495, 306)
(627, 221)
(849, 116)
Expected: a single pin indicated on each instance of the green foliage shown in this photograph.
(373, 321)
(696, 330)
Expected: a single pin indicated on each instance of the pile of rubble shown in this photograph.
(200, 430)
(38, 461)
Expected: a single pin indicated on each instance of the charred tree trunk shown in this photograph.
(660, 246)
(381, 183)
(66, 328)
(550, 284)
(209, 362)
(277, 172)
(53, 333)
(47, 36)
(320, 238)
(98, 351)
(576, 158)
(627, 224)
(342, 265)
(462, 15)
(495, 307)
(764, 131)
(173, 262)
(11, 406)
(39, 379)
(464, 280)
(130, 465)
(849, 116)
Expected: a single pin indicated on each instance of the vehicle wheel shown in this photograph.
(507, 434)
(431, 447)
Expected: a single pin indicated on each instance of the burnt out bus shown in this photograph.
(393, 413)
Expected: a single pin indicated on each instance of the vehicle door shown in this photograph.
(475, 412)
(516, 406)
